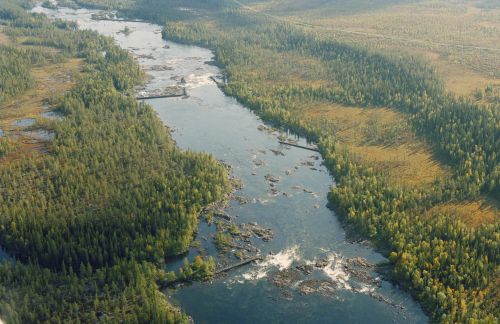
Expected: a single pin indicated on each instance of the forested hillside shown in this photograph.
(91, 216)
(280, 70)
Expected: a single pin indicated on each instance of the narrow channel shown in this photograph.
(283, 188)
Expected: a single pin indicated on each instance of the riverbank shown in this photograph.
(91, 217)
(292, 206)
(385, 212)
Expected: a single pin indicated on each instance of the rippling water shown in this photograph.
(305, 230)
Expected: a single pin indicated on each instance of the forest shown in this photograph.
(91, 219)
(450, 267)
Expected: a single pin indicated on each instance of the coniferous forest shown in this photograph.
(91, 220)
(451, 268)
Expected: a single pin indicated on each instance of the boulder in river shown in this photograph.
(254, 229)
(323, 287)
(305, 268)
(241, 200)
(271, 178)
(284, 278)
(321, 263)
(161, 68)
(360, 262)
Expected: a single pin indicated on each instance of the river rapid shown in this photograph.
(283, 188)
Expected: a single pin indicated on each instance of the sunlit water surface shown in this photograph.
(304, 228)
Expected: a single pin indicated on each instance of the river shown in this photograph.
(294, 207)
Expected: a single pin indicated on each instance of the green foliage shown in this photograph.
(223, 240)
(126, 292)
(450, 268)
(112, 192)
(15, 65)
(356, 77)
(199, 269)
(5, 146)
(14, 72)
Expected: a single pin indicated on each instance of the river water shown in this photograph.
(305, 230)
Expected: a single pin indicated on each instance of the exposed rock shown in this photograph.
(271, 178)
(241, 200)
(222, 215)
(146, 56)
(253, 229)
(305, 268)
(383, 299)
(360, 269)
(274, 192)
(360, 262)
(284, 278)
(321, 263)
(323, 287)
(161, 68)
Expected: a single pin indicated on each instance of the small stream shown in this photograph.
(306, 232)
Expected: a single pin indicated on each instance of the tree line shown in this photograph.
(91, 221)
(449, 267)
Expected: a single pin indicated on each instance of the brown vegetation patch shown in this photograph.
(381, 138)
(4, 39)
(424, 28)
(458, 78)
(51, 80)
(473, 213)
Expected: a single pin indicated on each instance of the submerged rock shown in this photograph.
(259, 162)
(277, 152)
